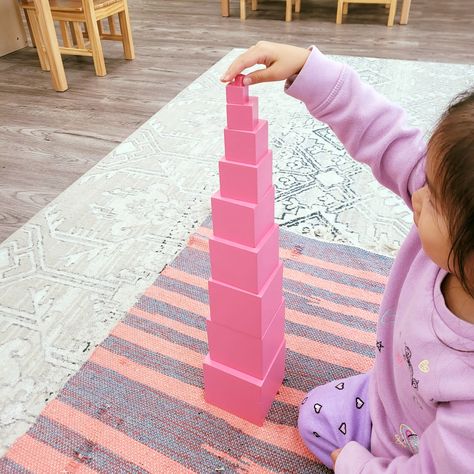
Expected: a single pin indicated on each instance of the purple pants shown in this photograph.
(334, 414)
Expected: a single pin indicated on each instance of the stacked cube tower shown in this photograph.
(246, 361)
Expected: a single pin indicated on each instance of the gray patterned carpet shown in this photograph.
(70, 273)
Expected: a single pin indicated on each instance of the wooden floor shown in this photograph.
(49, 139)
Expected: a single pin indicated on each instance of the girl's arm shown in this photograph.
(372, 129)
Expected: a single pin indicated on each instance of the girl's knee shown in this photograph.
(313, 428)
(333, 414)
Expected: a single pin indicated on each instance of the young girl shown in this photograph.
(414, 412)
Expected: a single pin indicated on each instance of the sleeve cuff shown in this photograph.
(317, 81)
(352, 459)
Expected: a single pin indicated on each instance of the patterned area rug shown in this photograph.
(137, 404)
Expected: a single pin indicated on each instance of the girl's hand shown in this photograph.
(334, 456)
(281, 61)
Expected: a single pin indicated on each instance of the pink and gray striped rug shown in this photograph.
(137, 405)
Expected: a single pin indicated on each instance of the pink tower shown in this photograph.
(246, 360)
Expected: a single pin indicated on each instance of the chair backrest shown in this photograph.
(88, 7)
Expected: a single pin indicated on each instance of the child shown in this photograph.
(414, 412)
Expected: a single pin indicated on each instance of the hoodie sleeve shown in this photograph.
(372, 129)
(445, 446)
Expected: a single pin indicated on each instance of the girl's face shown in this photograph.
(431, 223)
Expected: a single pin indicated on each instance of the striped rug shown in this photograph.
(137, 405)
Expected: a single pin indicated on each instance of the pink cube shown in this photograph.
(243, 222)
(247, 268)
(245, 182)
(245, 396)
(243, 116)
(246, 146)
(248, 354)
(236, 92)
(246, 312)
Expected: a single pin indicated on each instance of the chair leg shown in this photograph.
(340, 8)
(345, 9)
(243, 13)
(391, 13)
(94, 38)
(28, 23)
(405, 12)
(36, 36)
(126, 30)
(289, 10)
(254, 5)
(225, 7)
(298, 6)
(51, 46)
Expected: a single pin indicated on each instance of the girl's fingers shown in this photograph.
(255, 77)
(268, 74)
(250, 58)
(244, 61)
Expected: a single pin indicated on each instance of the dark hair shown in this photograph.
(452, 148)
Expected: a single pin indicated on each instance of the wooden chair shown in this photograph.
(82, 29)
(243, 8)
(343, 8)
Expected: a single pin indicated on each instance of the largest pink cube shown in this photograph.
(248, 397)
(247, 268)
(242, 222)
(248, 354)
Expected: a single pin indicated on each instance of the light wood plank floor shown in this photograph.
(49, 139)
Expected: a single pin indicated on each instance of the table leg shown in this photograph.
(405, 12)
(48, 33)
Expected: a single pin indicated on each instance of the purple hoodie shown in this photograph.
(421, 394)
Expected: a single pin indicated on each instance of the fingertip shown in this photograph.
(228, 77)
